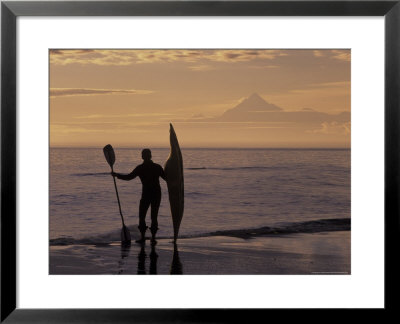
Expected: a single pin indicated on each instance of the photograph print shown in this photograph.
(200, 161)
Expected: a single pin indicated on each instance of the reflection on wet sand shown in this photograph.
(176, 265)
(153, 260)
(125, 249)
(141, 268)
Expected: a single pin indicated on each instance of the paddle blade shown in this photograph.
(109, 154)
(125, 235)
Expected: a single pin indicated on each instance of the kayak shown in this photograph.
(173, 169)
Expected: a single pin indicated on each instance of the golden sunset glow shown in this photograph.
(214, 98)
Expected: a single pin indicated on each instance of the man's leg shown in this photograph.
(143, 207)
(155, 205)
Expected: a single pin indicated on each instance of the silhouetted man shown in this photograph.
(149, 174)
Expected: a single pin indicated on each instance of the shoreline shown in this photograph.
(312, 226)
(296, 253)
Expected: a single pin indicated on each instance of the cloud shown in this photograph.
(69, 92)
(198, 116)
(243, 55)
(341, 55)
(264, 67)
(103, 127)
(319, 53)
(333, 128)
(270, 67)
(61, 129)
(203, 67)
(130, 57)
(326, 88)
(124, 116)
(344, 55)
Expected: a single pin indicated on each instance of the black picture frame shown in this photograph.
(10, 10)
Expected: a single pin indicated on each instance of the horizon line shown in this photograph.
(214, 147)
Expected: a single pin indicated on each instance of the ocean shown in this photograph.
(225, 190)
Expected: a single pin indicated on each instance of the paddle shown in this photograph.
(110, 157)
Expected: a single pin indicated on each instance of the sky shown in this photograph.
(127, 98)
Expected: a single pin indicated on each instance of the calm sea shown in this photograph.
(224, 189)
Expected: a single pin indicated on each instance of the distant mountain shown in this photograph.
(253, 103)
(256, 109)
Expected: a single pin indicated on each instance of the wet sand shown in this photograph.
(305, 253)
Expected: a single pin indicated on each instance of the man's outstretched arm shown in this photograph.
(127, 177)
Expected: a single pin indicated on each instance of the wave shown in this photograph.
(101, 239)
(90, 174)
(239, 168)
(97, 174)
(196, 194)
(314, 226)
(200, 168)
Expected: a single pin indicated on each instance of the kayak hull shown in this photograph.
(173, 169)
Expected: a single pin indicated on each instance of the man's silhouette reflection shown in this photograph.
(153, 260)
(176, 265)
(141, 269)
(149, 174)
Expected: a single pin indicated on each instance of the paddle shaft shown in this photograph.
(119, 204)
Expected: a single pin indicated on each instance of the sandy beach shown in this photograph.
(302, 253)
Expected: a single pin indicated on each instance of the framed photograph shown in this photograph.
(226, 160)
(250, 147)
